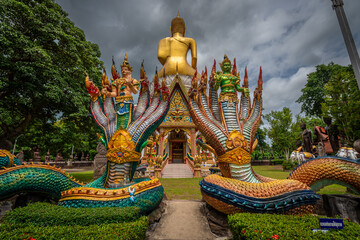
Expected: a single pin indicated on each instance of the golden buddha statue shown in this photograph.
(172, 51)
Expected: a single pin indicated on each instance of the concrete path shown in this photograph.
(177, 170)
(182, 220)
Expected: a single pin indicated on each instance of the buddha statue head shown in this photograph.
(177, 25)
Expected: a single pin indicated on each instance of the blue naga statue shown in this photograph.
(125, 129)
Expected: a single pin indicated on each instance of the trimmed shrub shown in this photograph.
(277, 161)
(125, 231)
(45, 214)
(288, 165)
(271, 226)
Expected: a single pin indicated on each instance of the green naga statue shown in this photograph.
(228, 81)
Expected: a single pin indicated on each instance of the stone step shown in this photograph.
(177, 171)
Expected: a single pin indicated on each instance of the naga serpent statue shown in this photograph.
(124, 133)
(229, 127)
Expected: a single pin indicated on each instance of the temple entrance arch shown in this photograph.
(177, 146)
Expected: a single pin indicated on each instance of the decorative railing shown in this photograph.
(190, 164)
(164, 163)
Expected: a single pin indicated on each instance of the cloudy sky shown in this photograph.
(287, 38)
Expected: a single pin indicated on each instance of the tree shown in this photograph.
(60, 136)
(280, 131)
(42, 63)
(313, 93)
(342, 104)
(331, 91)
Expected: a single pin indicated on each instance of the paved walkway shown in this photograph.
(182, 220)
(177, 170)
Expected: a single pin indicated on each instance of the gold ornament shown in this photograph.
(236, 139)
(237, 156)
(122, 155)
(121, 139)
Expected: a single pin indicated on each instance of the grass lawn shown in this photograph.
(84, 177)
(189, 189)
(182, 188)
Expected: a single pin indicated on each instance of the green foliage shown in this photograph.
(288, 165)
(277, 161)
(45, 214)
(313, 93)
(135, 230)
(332, 91)
(42, 63)
(285, 134)
(342, 103)
(271, 226)
(280, 133)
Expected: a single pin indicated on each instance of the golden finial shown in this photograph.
(178, 15)
(177, 69)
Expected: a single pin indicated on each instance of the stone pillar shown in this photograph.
(193, 141)
(158, 172)
(161, 143)
(197, 172)
(100, 161)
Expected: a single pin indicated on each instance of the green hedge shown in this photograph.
(45, 214)
(276, 161)
(271, 226)
(129, 231)
(288, 165)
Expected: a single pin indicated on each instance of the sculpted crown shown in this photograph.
(126, 63)
(226, 59)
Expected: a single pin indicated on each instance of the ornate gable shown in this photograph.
(178, 114)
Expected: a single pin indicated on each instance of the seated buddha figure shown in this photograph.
(228, 82)
(172, 53)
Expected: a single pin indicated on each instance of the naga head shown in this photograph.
(164, 90)
(143, 78)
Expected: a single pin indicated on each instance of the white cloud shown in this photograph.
(283, 92)
(287, 38)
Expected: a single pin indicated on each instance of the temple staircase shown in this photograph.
(177, 170)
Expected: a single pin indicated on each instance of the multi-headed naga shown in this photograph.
(230, 126)
(124, 133)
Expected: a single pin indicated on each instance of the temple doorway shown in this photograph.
(177, 142)
(177, 149)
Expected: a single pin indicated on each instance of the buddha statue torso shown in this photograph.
(172, 51)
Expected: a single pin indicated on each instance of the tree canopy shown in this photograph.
(331, 91)
(280, 131)
(42, 63)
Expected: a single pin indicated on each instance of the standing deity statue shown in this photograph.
(172, 52)
(122, 88)
(306, 138)
(228, 82)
